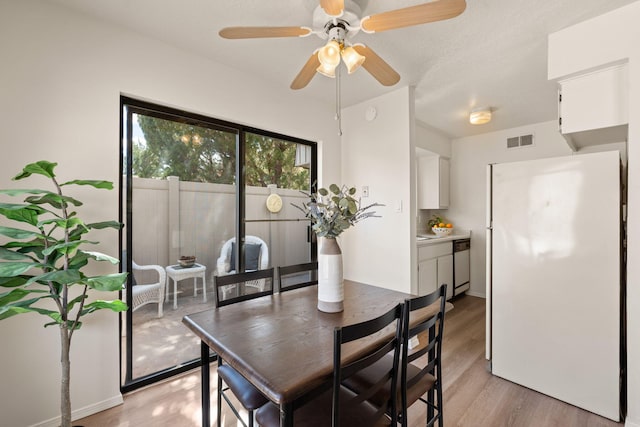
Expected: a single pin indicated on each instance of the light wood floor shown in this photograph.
(473, 397)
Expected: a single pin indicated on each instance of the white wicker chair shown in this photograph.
(223, 264)
(149, 293)
(224, 267)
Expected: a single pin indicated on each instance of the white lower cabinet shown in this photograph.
(445, 273)
(427, 276)
(435, 267)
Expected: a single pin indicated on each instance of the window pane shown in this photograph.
(183, 204)
(280, 167)
(163, 148)
(272, 161)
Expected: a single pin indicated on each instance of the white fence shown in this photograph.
(173, 218)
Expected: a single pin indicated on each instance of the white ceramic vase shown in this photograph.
(330, 282)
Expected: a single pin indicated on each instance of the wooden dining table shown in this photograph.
(282, 343)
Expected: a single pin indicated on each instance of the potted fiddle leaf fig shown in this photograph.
(43, 263)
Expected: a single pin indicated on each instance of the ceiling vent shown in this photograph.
(520, 141)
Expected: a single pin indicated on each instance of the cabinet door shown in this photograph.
(443, 185)
(433, 182)
(595, 100)
(445, 273)
(428, 187)
(427, 276)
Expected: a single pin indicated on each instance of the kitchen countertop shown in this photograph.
(432, 239)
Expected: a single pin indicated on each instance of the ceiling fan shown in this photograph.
(338, 22)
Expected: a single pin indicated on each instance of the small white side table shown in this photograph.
(178, 273)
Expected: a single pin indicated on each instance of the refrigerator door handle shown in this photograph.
(488, 265)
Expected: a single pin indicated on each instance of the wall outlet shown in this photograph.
(365, 191)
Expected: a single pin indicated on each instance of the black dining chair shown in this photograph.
(421, 339)
(297, 276)
(228, 378)
(335, 405)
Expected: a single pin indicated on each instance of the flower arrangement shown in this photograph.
(334, 210)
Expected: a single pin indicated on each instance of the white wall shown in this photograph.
(606, 39)
(62, 75)
(431, 139)
(378, 154)
(469, 160)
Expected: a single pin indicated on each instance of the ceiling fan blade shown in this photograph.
(414, 15)
(377, 67)
(263, 32)
(306, 74)
(332, 7)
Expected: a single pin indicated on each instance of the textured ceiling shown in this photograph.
(494, 54)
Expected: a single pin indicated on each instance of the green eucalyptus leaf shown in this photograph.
(353, 208)
(41, 167)
(334, 189)
(107, 185)
(323, 192)
(108, 283)
(352, 191)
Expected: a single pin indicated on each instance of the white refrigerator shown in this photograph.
(554, 277)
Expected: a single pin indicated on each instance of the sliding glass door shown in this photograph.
(191, 187)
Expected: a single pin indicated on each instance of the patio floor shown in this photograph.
(160, 343)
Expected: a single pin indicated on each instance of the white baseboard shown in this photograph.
(476, 294)
(628, 423)
(84, 412)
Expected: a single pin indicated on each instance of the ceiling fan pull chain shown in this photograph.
(338, 100)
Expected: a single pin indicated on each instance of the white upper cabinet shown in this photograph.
(433, 182)
(593, 107)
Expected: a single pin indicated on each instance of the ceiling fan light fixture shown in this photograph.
(352, 59)
(480, 116)
(327, 70)
(329, 54)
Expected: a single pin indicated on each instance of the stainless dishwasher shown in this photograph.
(461, 280)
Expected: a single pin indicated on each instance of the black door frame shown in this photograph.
(128, 107)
